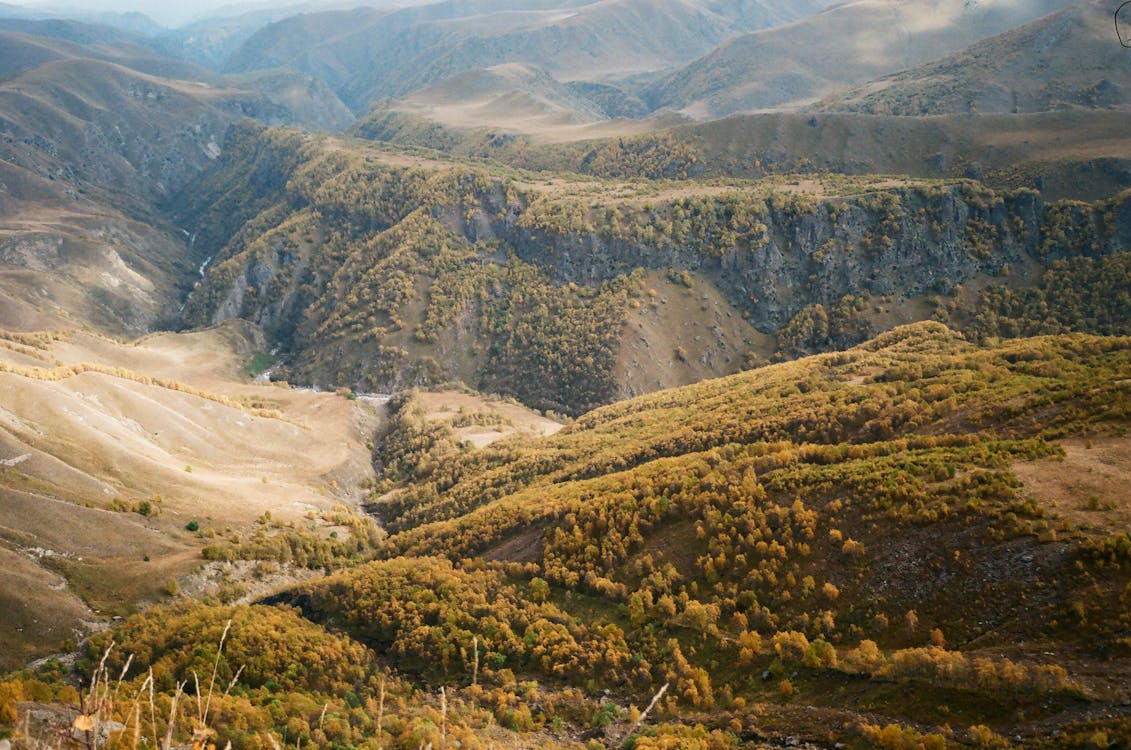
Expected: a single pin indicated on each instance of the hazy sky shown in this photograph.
(167, 12)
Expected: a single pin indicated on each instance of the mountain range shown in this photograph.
(1057, 62)
(848, 43)
(94, 136)
(691, 373)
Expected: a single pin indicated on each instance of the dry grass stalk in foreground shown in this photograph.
(94, 727)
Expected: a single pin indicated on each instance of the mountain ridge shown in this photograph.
(442, 40)
(90, 147)
(1060, 61)
(855, 44)
(354, 288)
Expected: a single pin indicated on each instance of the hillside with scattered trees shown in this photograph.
(567, 374)
(380, 268)
(768, 546)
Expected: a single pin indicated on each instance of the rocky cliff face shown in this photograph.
(91, 150)
(895, 242)
(381, 270)
(901, 243)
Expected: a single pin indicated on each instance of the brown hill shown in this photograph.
(1077, 154)
(849, 43)
(108, 450)
(90, 144)
(507, 98)
(1068, 59)
(366, 54)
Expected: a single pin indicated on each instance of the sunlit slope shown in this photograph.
(848, 43)
(1067, 60)
(922, 380)
(877, 525)
(111, 450)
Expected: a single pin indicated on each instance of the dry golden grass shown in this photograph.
(680, 335)
(38, 609)
(1088, 486)
(171, 421)
(489, 419)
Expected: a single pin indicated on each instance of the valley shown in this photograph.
(706, 374)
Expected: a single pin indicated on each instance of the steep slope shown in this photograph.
(80, 177)
(366, 54)
(379, 269)
(847, 44)
(30, 43)
(861, 548)
(1061, 61)
(90, 145)
(783, 546)
(109, 450)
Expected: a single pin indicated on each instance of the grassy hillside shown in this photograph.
(509, 95)
(863, 547)
(367, 54)
(119, 462)
(1061, 61)
(789, 521)
(848, 43)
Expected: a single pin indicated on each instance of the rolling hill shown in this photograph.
(880, 547)
(366, 54)
(1065, 60)
(728, 505)
(849, 43)
(510, 97)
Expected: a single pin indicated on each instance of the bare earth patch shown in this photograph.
(1089, 487)
(102, 470)
(492, 419)
(526, 547)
